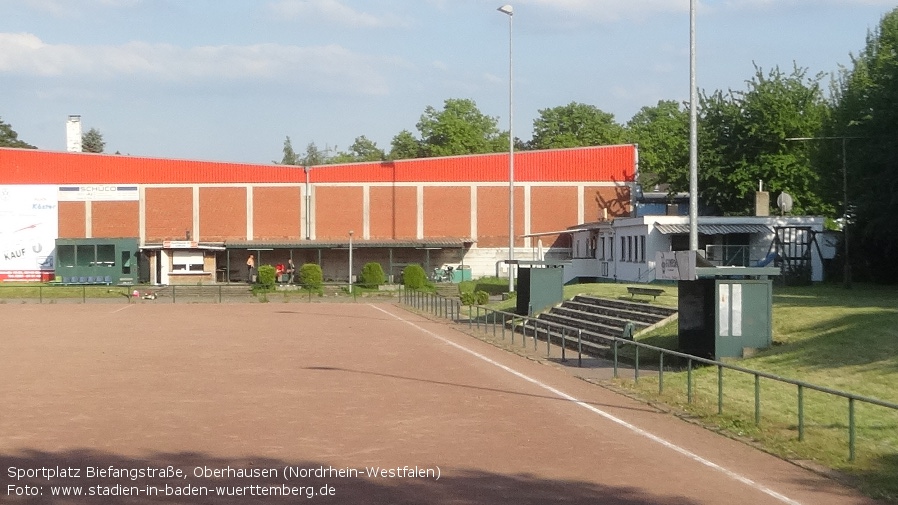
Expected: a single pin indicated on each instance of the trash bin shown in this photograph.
(462, 273)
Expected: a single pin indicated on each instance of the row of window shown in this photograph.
(92, 255)
(632, 248)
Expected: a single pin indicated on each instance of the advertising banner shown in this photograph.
(29, 216)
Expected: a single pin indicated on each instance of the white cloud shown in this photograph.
(330, 67)
(332, 11)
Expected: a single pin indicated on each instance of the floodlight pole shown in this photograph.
(693, 135)
(509, 10)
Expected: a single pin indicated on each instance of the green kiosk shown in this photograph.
(723, 311)
(96, 261)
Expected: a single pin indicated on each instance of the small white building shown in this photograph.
(623, 249)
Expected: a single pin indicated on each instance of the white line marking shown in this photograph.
(121, 309)
(639, 431)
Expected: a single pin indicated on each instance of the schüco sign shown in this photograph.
(99, 192)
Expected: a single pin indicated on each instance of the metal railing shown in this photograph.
(215, 293)
(484, 319)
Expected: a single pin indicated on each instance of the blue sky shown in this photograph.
(229, 80)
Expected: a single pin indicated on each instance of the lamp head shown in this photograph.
(506, 9)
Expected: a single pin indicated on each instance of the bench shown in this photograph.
(653, 292)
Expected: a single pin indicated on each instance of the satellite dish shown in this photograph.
(784, 202)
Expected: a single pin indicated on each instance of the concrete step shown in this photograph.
(635, 316)
(608, 318)
(646, 308)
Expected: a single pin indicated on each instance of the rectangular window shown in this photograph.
(623, 248)
(85, 255)
(126, 262)
(630, 249)
(105, 255)
(65, 256)
(187, 260)
(642, 247)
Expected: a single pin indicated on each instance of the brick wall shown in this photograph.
(553, 208)
(71, 219)
(277, 212)
(169, 213)
(492, 216)
(337, 211)
(222, 213)
(393, 213)
(447, 211)
(115, 219)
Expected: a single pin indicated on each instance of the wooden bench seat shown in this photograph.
(637, 290)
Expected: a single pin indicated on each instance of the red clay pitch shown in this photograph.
(241, 403)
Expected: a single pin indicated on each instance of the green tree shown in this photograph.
(92, 141)
(865, 111)
(662, 133)
(9, 137)
(742, 140)
(290, 157)
(460, 128)
(361, 150)
(575, 125)
(313, 156)
(364, 149)
(405, 146)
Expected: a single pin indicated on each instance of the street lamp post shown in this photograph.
(693, 135)
(509, 11)
(846, 268)
(350, 261)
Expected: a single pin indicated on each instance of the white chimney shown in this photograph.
(73, 134)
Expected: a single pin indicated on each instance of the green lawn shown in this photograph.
(826, 335)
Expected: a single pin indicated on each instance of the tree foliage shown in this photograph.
(662, 133)
(313, 156)
(742, 140)
(361, 150)
(311, 276)
(414, 277)
(290, 157)
(460, 128)
(405, 146)
(9, 137)
(92, 141)
(575, 125)
(373, 274)
(866, 114)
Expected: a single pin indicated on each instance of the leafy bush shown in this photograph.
(474, 297)
(466, 287)
(310, 276)
(267, 275)
(414, 277)
(373, 274)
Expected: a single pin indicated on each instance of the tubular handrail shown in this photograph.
(616, 341)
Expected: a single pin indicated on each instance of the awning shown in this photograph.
(557, 232)
(438, 243)
(712, 229)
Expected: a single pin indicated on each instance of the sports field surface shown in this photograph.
(344, 403)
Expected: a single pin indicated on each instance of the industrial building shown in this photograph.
(78, 217)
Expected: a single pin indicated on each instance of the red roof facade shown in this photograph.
(604, 163)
